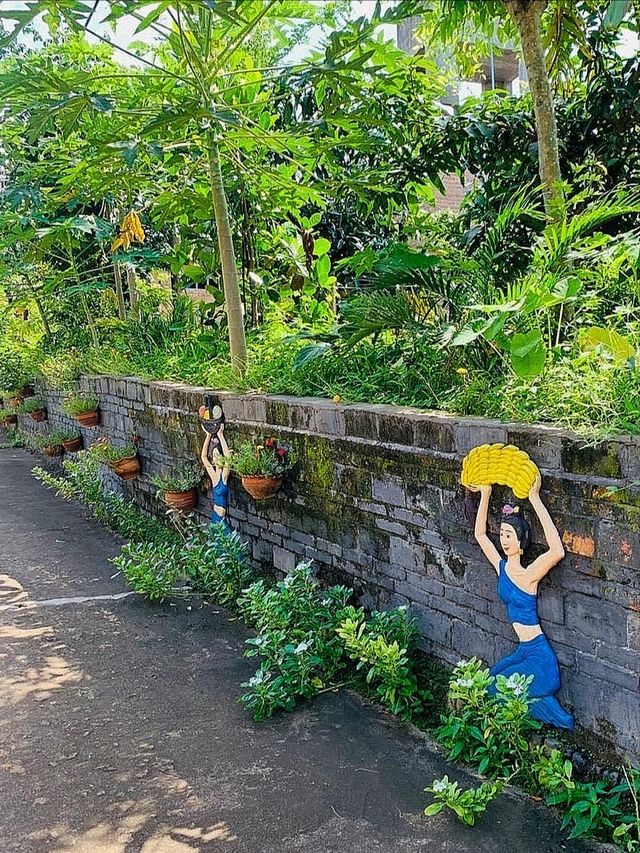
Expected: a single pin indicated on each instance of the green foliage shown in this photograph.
(80, 404)
(109, 453)
(488, 731)
(54, 438)
(151, 569)
(269, 458)
(493, 734)
(82, 481)
(216, 563)
(467, 805)
(14, 437)
(179, 480)
(31, 404)
(380, 647)
(300, 650)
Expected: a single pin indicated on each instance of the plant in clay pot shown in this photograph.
(179, 488)
(84, 408)
(72, 440)
(35, 407)
(262, 465)
(8, 417)
(50, 443)
(122, 459)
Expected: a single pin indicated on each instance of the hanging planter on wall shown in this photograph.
(261, 488)
(72, 442)
(127, 467)
(35, 408)
(8, 418)
(179, 488)
(49, 443)
(84, 408)
(261, 466)
(123, 461)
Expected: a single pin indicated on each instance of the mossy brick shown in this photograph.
(602, 460)
(471, 432)
(471, 601)
(543, 444)
(329, 417)
(470, 641)
(389, 491)
(595, 618)
(395, 428)
(616, 545)
(633, 631)
(255, 408)
(603, 671)
(434, 432)
(353, 481)
(361, 422)
(277, 411)
(626, 658)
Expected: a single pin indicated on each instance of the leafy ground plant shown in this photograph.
(379, 646)
(300, 650)
(178, 480)
(467, 804)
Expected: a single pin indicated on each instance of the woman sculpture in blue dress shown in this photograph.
(218, 470)
(518, 589)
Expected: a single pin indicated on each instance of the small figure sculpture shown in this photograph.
(218, 470)
(518, 588)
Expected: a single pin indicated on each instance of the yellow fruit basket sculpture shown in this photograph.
(499, 464)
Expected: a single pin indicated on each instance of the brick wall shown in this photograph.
(375, 503)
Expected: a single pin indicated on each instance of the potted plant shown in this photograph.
(179, 488)
(8, 417)
(49, 443)
(35, 407)
(72, 440)
(84, 408)
(122, 459)
(261, 466)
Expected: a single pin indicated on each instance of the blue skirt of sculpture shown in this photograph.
(220, 497)
(532, 657)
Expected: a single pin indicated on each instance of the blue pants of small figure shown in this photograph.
(537, 658)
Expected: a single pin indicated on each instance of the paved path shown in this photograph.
(120, 731)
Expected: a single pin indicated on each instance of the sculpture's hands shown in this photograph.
(534, 491)
(484, 490)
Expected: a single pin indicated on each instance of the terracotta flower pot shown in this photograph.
(182, 501)
(10, 420)
(39, 415)
(73, 445)
(88, 419)
(53, 450)
(126, 468)
(261, 487)
(14, 402)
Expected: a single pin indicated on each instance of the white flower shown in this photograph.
(301, 647)
(258, 678)
(464, 682)
(514, 683)
(438, 786)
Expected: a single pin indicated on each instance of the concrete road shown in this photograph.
(120, 730)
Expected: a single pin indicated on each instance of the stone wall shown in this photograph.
(375, 503)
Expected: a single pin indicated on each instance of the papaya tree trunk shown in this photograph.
(526, 15)
(134, 300)
(83, 297)
(117, 276)
(40, 307)
(232, 299)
